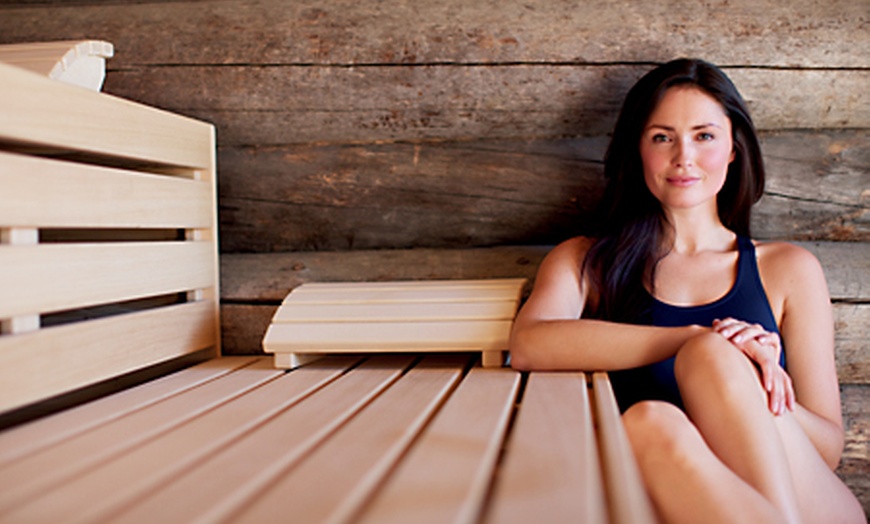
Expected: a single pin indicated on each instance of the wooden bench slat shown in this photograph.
(479, 284)
(331, 484)
(447, 473)
(23, 440)
(98, 493)
(53, 115)
(627, 497)
(28, 477)
(398, 336)
(404, 292)
(397, 312)
(231, 478)
(55, 277)
(54, 360)
(76, 195)
(551, 471)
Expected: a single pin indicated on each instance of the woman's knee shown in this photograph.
(658, 429)
(713, 364)
(709, 356)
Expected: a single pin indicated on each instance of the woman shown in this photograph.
(687, 312)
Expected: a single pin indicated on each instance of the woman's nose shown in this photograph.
(684, 154)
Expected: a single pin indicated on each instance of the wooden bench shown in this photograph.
(109, 261)
(390, 438)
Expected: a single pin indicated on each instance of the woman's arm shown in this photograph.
(798, 292)
(548, 333)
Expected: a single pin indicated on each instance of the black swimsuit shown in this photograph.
(745, 301)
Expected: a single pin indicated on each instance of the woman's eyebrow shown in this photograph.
(694, 128)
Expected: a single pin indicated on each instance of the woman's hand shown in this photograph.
(764, 348)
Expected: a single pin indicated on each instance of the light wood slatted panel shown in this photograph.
(79, 120)
(73, 195)
(45, 278)
(51, 361)
(627, 499)
(44, 432)
(230, 479)
(334, 482)
(27, 478)
(107, 488)
(379, 442)
(551, 471)
(458, 315)
(446, 476)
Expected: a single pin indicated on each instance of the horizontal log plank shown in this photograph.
(268, 277)
(253, 285)
(492, 192)
(854, 467)
(280, 105)
(805, 33)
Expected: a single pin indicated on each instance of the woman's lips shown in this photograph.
(682, 181)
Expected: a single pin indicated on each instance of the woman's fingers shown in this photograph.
(763, 348)
(738, 332)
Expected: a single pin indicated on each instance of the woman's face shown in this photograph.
(686, 147)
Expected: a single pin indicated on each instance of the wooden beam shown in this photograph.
(497, 192)
(763, 32)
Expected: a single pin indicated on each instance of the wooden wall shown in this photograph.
(446, 139)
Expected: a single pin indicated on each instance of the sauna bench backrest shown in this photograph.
(108, 243)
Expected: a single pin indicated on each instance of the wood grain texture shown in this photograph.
(338, 477)
(288, 104)
(48, 431)
(854, 467)
(232, 478)
(447, 474)
(26, 479)
(254, 285)
(493, 192)
(452, 31)
(107, 488)
(268, 278)
(47, 278)
(551, 470)
(48, 114)
(47, 362)
(72, 195)
(627, 498)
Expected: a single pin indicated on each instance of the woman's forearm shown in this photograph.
(593, 344)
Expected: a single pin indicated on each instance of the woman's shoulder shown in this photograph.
(779, 255)
(572, 250)
(784, 264)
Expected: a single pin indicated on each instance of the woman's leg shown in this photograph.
(725, 400)
(822, 496)
(685, 479)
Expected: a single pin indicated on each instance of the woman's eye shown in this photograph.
(657, 138)
(703, 137)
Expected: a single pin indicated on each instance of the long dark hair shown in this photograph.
(631, 224)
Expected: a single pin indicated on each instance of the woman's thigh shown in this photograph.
(822, 496)
(725, 400)
(686, 480)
